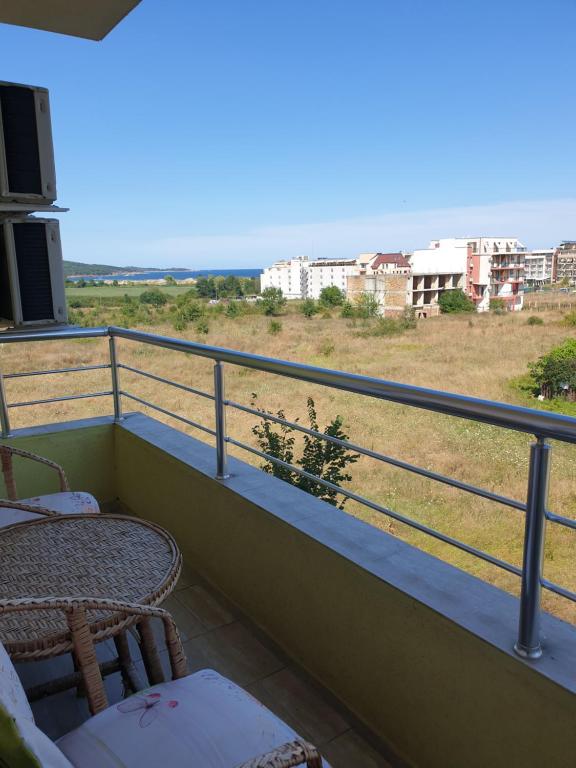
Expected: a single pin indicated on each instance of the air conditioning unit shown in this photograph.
(31, 274)
(27, 173)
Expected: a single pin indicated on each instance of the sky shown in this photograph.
(226, 134)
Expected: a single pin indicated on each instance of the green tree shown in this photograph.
(169, 280)
(272, 300)
(154, 296)
(453, 302)
(555, 373)
(309, 308)
(323, 459)
(332, 296)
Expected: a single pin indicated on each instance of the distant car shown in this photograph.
(214, 301)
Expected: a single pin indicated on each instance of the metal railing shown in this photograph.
(543, 425)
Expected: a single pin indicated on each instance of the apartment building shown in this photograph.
(538, 267)
(564, 268)
(387, 277)
(438, 268)
(290, 275)
(326, 272)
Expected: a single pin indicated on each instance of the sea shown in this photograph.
(183, 274)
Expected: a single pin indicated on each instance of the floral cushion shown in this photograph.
(67, 503)
(22, 744)
(202, 720)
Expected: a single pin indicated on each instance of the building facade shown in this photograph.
(291, 276)
(564, 269)
(325, 273)
(538, 267)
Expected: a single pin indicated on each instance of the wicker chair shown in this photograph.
(64, 502)
(201, 720)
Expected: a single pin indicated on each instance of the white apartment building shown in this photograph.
(291, 276)
(438, 268)
(301, 278)
(327, 272)
(538, 267)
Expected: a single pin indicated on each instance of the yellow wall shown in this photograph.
(86, 454)
(441, 696)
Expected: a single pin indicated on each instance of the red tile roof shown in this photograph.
(389, 258)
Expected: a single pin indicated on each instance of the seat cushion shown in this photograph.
(22, 744)
(67, 503)
(202, 720)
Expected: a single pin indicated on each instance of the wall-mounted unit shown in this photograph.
(27, 172)
(31, 274)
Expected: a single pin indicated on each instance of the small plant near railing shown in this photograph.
(321, 458)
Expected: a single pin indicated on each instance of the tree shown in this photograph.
(309, 308)
(555, 373)
(366, 306)
(332, 296)
(272, 301)
(321, 458)
(169, 280)
(154, 296)
(452, 302)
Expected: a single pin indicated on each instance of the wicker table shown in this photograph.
(105, 560)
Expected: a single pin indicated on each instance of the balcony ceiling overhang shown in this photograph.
(92, 19)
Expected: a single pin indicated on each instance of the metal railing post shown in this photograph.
(115, 380)
(528, 643)
(4, 417)
(220, 422)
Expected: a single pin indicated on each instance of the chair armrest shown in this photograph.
(293, 753)
(6, 454)
(75, 609)
(36, 508)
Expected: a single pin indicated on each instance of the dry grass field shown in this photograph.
(476, 355)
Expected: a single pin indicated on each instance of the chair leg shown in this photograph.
(87, 661)
(150, 655)
(130, 677)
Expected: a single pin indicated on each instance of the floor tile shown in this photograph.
(350, 750)
(300, 704)
(204, 606)
(235, 652)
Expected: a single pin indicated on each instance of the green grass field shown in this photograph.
(111, 291)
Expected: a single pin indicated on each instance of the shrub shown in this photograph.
(453, 302)
(498, 306)
(272, 300)
(534, 320)
(323, 459)
(309, 307)
(274, 327)
(347, 310)
(233, 309)
(555, 373)
(202, 326)
(366, 306)
(570, 318)
(154, 296)
(332, 296)
(327, 348)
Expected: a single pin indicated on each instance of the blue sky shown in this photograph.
(230, 134)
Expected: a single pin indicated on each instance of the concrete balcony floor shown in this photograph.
(216, 636)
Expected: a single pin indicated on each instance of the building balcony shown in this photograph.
(380, 653)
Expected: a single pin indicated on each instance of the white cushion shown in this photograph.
(199, 721)
(67, 503)
(21, 742)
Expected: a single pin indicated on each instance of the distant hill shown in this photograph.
(75, 268)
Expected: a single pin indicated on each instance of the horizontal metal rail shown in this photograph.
(552, 587)
(383, 457)
(57, 370)
(169, 413)
(161, 379)
(544, 423)
(107, 393)
(379, 508)
(565, 521)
